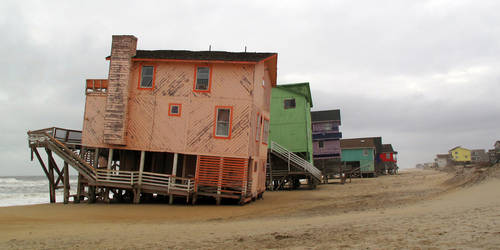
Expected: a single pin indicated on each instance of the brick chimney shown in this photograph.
(123, 48)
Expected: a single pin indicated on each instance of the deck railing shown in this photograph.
(58, 140)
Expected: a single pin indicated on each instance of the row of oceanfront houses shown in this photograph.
(463, 156)
(172, 124)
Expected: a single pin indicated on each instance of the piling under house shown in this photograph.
(290, 138)
(326, 142)
(171, 123)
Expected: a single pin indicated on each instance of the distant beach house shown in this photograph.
(479, 155)
(388, 156)
(177, 123)
(363, 153)
(460, 154)
(442, 160)
(326, 141)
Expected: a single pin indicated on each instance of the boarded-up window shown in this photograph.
(265, 133)
(147, 76)
(289, 103)
(223, 122)
(202, 79)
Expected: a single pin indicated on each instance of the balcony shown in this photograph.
(96, 86)
(327, 136)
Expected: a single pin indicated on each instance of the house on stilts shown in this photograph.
(363, 154)
(168, 124)
(290, 140)
(326, 143)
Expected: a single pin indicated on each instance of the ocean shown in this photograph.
(28, 190)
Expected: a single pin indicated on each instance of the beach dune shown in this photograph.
(418, 208)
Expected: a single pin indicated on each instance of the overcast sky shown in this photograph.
(424, 75)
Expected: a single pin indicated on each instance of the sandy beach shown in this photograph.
(422, 209)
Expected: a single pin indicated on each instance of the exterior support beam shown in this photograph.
(137, 194)
(172, 178)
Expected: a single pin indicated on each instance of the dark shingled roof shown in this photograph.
(325, 115)
(387, 148)
(203, 55)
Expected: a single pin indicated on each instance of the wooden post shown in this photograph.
(271, 181)
(96, 158)
(219, 182)
(172, 178)
(79, 188)
(137, 193)
(108, 167)
(52, 188)
(66, 183)
(184, 162)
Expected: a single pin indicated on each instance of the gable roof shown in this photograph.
(368, 142)
(458, 147)
(298, 88)
(203, 55)
(325, 115)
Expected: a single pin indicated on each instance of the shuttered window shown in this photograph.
(202, 82)
(147, 77)
(265, 133)
(223, 122)
(289, 103)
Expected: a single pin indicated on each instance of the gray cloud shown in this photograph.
(422, 74)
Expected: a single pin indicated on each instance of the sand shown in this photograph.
(418, 209)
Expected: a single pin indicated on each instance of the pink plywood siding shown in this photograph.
(93, 120)
(150, 128)
(329, 147)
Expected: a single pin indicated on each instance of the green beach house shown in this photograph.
(362, 153)
(290, 124)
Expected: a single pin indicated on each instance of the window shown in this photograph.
(223, 119)
(258, 127)
(202, 79)
(146, 81)
(320, 144)
(265, 133)
(263, 82)
(174, 109)
(255, 166)
(388, 156)
(289, 103)
(365, 152)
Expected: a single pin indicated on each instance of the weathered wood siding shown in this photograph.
(149, 127)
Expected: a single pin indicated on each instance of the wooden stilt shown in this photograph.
(172, 178)
(137, 193)
(92, 194)
(52, 188)
(66, 183)
(79, 188)
(108, 167)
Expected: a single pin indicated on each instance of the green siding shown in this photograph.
(291, 128)
(366, 162)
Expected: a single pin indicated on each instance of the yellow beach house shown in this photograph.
(460, 154)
